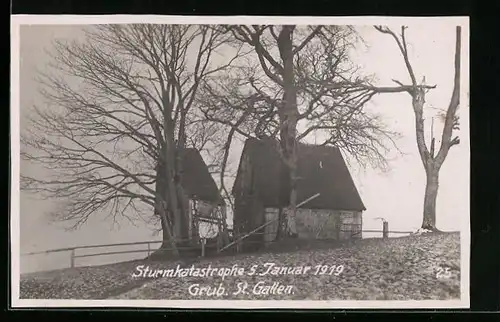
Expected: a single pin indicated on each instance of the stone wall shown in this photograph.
(350, 217)
(315, 223)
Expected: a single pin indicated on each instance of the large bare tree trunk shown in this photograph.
(183, 201)
(288, 116)
(432, 163)
(428, 161)
(172, 175)
(173, 199)
(430, 198)
(161, 210)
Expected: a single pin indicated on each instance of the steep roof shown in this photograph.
(321, 169)
(196, 179)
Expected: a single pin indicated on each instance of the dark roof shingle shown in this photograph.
(196, 179)
(321, 169)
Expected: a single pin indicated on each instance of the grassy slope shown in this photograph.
(375, 269)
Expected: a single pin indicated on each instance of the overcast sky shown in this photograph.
(396, 195)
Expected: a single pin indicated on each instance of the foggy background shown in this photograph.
(396, 195)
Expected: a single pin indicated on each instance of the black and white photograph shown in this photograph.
(240, 162)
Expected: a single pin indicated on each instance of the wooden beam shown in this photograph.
(307, 200)
(207, 219)
(253, 231)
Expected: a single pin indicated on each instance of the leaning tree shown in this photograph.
(432, 158)
(119, 106)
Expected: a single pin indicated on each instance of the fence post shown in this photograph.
(203, 241)
(219, 241)
(72, 258)
(149, 249)
(385, 231)
(238, 244)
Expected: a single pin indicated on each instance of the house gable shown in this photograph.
(320, 169)
(197, 181)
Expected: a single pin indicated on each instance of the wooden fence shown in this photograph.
(204, 244)
(149, 250)
(352, 232)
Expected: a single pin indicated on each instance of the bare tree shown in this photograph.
(300, 84)
(431, 160)
(121, 107)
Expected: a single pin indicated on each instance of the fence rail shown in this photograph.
(94, 246)
(148, 250)
(204, 244)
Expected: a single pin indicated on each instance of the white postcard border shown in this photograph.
(18, 20)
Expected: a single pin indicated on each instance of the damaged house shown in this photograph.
(261, 193)
(201, 194)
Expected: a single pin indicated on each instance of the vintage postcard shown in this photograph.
(240, 162)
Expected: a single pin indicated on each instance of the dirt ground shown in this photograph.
(425, 267)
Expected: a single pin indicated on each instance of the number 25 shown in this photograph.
(443, 272)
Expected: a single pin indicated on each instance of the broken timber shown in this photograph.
(266, 224)
(208, 219)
